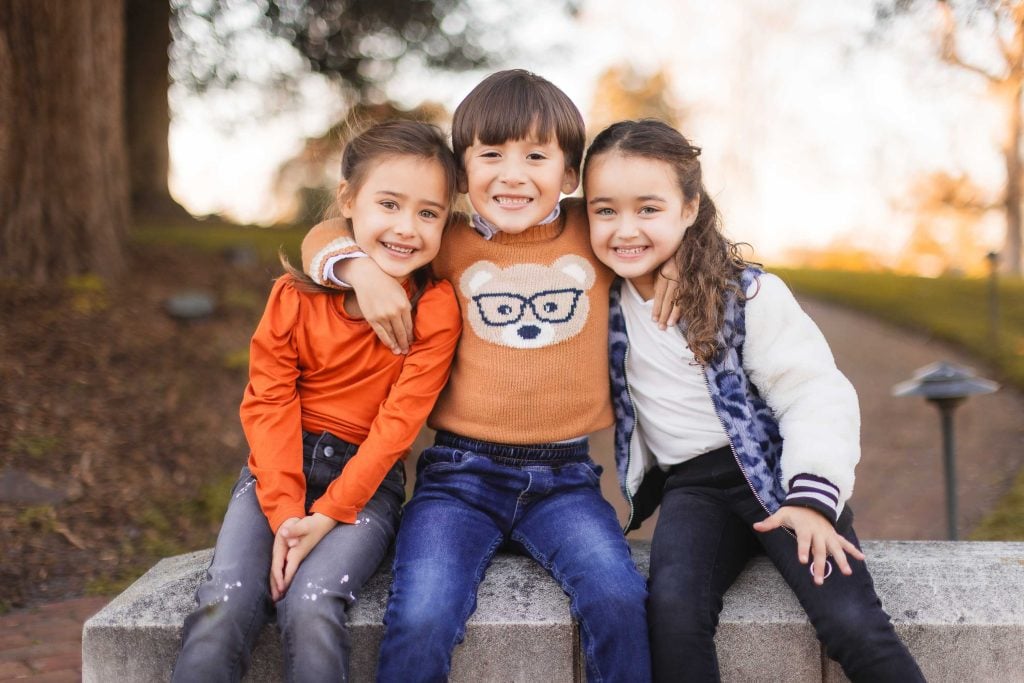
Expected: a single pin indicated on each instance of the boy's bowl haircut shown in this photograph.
(514, 105)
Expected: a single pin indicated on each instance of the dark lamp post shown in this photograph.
(947, 386)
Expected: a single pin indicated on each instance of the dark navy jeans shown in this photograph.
(704, 538)
(471, 497)
(234, 602)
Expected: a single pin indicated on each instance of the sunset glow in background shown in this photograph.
(816, 126)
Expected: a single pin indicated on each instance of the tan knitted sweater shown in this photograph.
(532, 363)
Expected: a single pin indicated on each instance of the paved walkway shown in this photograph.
(44, 644)
(899, 492)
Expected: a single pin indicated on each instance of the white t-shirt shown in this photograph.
(676, 420)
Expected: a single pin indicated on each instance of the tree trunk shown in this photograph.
(63, 178)
(147, 118)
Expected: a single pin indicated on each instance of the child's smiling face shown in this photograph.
(638, 215)
(398, 213)
(515, 184)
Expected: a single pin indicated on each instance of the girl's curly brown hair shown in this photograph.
(709, 265)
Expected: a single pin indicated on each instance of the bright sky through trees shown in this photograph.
(814, 127)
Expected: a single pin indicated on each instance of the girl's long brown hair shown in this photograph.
(377, 144)
(709, 265)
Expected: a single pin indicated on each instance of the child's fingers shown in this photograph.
(384, 334)
(840, 559)
(275, 594)
(820, 557)
(850, 548)
(399, 332)
(768, 523)
(675, 315)
(295, 558)
(803, 547)
(407, 323)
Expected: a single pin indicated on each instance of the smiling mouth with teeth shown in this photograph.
(629, 251)
(398, 249)
(513, 201)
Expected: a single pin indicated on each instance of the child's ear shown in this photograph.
(344, 201)
(690, 211)
(570, 181)
(461, 182)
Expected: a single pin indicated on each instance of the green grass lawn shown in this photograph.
(951, 308)
(215, 236)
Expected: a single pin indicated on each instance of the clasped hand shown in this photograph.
(383, 303)
(294, 540)
(815, 536)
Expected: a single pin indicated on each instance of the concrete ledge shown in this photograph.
(959, 607)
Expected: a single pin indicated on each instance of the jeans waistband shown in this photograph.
(327, 445)
(509, 454)
(713, 462)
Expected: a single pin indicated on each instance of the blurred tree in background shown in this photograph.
(83, 99)
(623, 93)
(304, 185)
(948, 212)
(1002, 69)
(63, 166)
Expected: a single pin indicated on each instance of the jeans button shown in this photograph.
(328, 451)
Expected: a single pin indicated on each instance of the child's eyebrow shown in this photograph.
(399, 195)
(641, 198)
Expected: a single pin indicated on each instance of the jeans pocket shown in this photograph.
(592, 471)
(442, 458)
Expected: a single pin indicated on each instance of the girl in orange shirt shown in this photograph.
(329, 413)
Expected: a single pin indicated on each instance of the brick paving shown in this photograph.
(44, 644)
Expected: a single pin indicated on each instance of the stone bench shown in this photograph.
(958, 606)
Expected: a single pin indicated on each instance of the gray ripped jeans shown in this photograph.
(234, 602)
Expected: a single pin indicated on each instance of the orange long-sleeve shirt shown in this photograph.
(313, 367)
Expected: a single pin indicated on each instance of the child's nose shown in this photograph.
(405, 226)
(628, 228)
(512, 172)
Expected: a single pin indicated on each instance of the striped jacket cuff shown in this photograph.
(321, 266)
(817, 493)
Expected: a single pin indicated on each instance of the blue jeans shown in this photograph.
(702, 541)
(470, 498)
(234, 602)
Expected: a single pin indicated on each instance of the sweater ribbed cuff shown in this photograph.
(817, 493)
(321, 266)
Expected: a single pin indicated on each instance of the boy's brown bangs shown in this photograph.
(513, 118)
(516, 113)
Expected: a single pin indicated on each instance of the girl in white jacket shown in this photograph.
(737, 420)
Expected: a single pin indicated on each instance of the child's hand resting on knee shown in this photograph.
(814, 535)
(295, 539)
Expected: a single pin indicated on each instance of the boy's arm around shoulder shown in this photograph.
(323, 246)
(790, 362)
(403, 413)
(328, 248)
